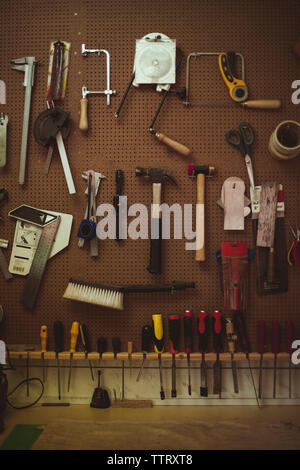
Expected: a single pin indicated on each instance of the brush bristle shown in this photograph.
(94, 295)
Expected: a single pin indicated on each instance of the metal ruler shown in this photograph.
(35, 276)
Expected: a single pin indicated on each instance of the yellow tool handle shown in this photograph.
(158, 332)
(180, 148)
(262, 104)
(74, 336)
(44, 338)
(83, 123)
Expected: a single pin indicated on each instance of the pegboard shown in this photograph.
(263, 33)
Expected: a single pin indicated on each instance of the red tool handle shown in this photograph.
(290, 335)
(202, 327)
(188, 331)
(261, 337)
(275, 337)
(174, 333)
(217, 328)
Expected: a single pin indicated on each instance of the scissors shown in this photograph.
(293, 256)
(242, 140)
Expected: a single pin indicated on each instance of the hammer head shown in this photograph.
(155, 174)
(194, 170)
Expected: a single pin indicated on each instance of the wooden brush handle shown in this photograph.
(83, 123)
(263, 104)
(180, 148)
(200, 218)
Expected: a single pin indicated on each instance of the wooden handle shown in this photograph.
(231, 338)
(263, 104)
(271, 266)
(83, 123)
(180, 148)
(200, 218)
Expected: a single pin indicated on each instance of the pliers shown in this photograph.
(293, 256)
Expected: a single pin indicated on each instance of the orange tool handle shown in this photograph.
(44, 338)
(74, 336)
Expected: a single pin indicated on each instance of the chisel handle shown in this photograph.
(43, 338)
(231, 336)
(74, 336)
(174, 333)
(158, 333)
(262, 104)
(217, 328)
(83, 122)
(178, 147)
(261, 338)
(58, 332)
(101, 345)
(239, 322)
(290, 335)
(116, 343)
(146, 338)
(202, 328)
(188, 331)
(85, 338)
(275, 337)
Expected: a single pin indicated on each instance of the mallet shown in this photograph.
(200, 171)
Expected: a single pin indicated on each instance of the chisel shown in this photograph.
(231, 340)
(43, 335)
(290, 336)
(158, 338)
(101, 347)
(217, 329)
(275, 351)
(86, 344)
(146, 342)
(261, 341)
(202, 327)
(174, 333)
(58, 346)
(73, 342)
(188, 341)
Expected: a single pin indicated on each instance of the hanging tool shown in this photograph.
(231, 341)
(58, 332)
(74, 336)
(86, 344)
(116, 343)
(147, 335)
(100, 397)
(275, 351)
(261, 342)
(188, 342)
(83, 123)
(200, 171)
(101, 347)
(26, 65)
(217, 330)
(3, 139)
(44, 347)
(38, 266)
(290, 337)
(203, 328)
(156, 61)
(3, 263)
(238, 90)
(293, 256)
(235, 275)
(119, 187)
(156, 176)
(158, 338)
(242, 140)
(174, 334)
(87, 228)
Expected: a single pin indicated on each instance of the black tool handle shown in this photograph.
(116, 344)
(188, 331)
(147, 335)
(203, 328)
(101, 345)
(217, 329)
(156, 247)
(85, 337)
(58, 333)
(174, 333)
(241, 332)
(275, 337)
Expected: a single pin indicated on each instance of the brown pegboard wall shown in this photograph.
(263, 34)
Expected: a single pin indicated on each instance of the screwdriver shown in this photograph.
(202, 326)
(146, 342)
(261, 349)
(43, 335)
(101, 347)
(290, 336)
(74, 336)
(158, 338)
(275, 350)
(174, 333)
(231, 340)
(217, 329)
(188, 341)
(116, 344)
(86, 344)
(58, 341)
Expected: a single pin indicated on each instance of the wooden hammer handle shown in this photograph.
(180, 148)
(200, 218)
(83, 123)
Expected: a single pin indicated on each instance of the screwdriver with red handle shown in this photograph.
(261, 343)
(275, 351)
(289, 336)
(188, 342)
(174, 333)
(217, 330)
(203, 328)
